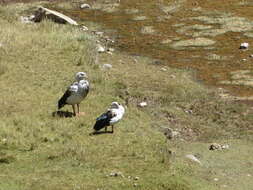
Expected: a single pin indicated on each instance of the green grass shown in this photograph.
(39, 151)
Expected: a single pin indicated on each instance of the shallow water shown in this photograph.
(203, 35)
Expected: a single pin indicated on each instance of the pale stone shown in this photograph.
(100, 48)
(85, 6)
(193, 158)
(84, 28)
(107, 66)
(244, 45)
(147, 30)
(25, 20)
(142, 104)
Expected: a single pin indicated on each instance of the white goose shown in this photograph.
(75, 93)
(112, 116)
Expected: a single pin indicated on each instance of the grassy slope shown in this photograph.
(38, 151)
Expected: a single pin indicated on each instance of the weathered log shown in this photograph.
(43, 12)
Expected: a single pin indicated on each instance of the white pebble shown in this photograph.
(85, 6)
(225, 146)
(110, 49)
(193, 158)
(100, 49)
(172, 76)
(143, 104)
(84, 28)
(107, 66)
(244, 45)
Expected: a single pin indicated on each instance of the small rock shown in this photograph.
(166, 41)
(135, 184)
(136, 178)
(188, 111)
(163, 69)
(107, 66)
(244, 59)
(110, 40)
(31, 17)
(142, 104)
(116, 174)
(85, 6)
(251, 56)
(100, 49)
(193, 158)
(84, 28)
(174, 134)
(110, 49)
(216, 179)
(169, 133)
(99, 33)
(157, 62)
(172, 76)
(4, 140)
(135, 61)
(225, 146)
(216, 146)
(1, 45)
(140, 18)
(25, 20)
(244, 45)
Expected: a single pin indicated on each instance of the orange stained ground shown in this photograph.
(130, 39)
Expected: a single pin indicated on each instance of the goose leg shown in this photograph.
(105, 129)
(78, 109)
(74, 110)
(112, 128)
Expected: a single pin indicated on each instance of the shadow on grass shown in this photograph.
(101, 132)
(62, 114)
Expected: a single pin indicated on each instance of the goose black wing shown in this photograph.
(103, 120)
(62, 102)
